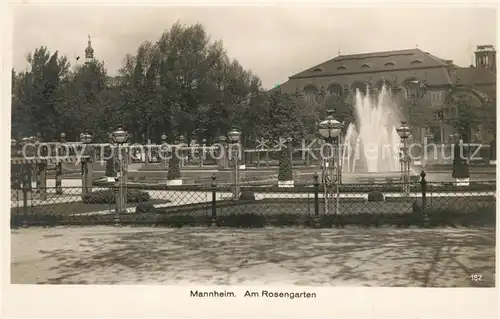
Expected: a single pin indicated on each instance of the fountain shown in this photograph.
(371, 147)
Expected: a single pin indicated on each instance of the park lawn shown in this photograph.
(70, 208)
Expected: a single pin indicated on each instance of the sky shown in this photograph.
(274, 42)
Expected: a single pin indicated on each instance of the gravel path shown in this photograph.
(331, 257)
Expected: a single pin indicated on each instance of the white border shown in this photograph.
(172, 301)
(289, 183)
(172, 182)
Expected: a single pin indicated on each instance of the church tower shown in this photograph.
(89, 52)
(486, 57)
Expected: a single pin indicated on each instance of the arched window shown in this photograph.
(365, 65)
(390, 64)
(342, 67)
(335, 89)
(318, 70)
(417, 62)
(415, 89)
(361, 86)
(310, 93)
(380, 84)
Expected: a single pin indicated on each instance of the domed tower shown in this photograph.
(89, 52)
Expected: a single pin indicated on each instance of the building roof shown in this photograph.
(387, 61)
(393, 68)
(473, 76)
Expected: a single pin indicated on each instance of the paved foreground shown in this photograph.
(346, 257)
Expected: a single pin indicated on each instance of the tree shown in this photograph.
(82, 102)
(35, 94)
(181, 84)
(466, 113)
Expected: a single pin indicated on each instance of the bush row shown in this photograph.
(108, 196)
(482, 216)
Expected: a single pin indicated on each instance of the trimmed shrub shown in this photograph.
(174, 170)
(375, 196)
(285, 166)
(145, 208)
(110, 167)
(247, 195)
(493, 150)
(108, 196)
(460, 166)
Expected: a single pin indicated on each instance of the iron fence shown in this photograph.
(151, 204)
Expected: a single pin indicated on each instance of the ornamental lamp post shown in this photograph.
(234, 138)
(120, 137)
(404, 132)
(330, 130)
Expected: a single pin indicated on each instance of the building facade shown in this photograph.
(423, 85)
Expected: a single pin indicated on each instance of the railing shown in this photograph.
(147, 204)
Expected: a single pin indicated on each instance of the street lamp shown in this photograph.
(330, 130)
(120, 137)
(234, 137)
(404, 133)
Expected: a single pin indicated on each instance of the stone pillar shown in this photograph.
(42, 180)
(59, 189)
(90, 170)
(84, 173)
(109, 153)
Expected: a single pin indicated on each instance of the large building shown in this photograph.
(417, 79)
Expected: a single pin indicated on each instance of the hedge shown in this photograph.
(437, 217)
(343, 188)
(108, 196)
